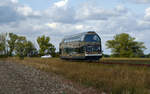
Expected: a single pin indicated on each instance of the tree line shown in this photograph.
(122, 45)
(15, 45)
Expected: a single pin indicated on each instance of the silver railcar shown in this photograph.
(85, 46)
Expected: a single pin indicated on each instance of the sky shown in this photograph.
(59, 18)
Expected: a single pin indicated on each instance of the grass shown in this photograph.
(112, 79)
(127, 60)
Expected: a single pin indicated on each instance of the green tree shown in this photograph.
(30, 49)
(24, 48)
(3, 44)
(12, 43)
(147, 56)
(45, 46)
(123, 45)
(20, 46)
(106, 55)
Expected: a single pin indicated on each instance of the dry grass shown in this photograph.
(127, 60)
(113, 79)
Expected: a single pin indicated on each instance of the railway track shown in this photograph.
(131, 64)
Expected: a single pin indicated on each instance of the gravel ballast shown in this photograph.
(17, 78)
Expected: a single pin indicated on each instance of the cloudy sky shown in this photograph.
(58, 18)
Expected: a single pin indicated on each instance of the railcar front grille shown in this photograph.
(91, 49)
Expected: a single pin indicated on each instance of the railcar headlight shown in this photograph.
(99, 48)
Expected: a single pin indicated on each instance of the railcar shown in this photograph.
(83, 46)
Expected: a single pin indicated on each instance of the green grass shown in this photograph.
(127, 60)
(112, 79)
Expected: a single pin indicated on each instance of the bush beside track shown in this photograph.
(112, 79)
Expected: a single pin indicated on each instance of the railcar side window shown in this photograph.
(91, 38)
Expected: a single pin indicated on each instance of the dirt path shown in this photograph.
(20, 79)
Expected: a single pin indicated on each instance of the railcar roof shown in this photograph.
(79, 34)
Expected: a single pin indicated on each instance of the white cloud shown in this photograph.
(61, 3)
(58, 21)
(9, 13)
(140, 1)
(27, 11)
(63, 15)
(147, 14)
(38, 27)
(79, 27)
(143, 25)
(89, 12)
(14, 1)
(52, 25)
(121, 9)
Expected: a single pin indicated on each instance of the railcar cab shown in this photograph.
(93, 49)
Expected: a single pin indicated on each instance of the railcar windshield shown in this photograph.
(92, 38)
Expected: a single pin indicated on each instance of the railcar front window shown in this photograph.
(91, 38)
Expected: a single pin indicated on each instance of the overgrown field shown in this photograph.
(112, 79)
(127, 60)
